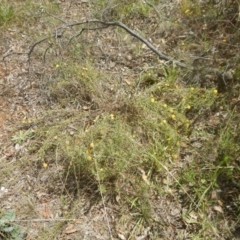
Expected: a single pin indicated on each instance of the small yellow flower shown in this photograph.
(88, 151)
(166, 84)
(57, 66)
(89, 158)
(224, 40)
(165, 105)
(192, 88)
(203, 95)
(174, 156)
(187, 11)
(182, 43)
(29, 121)
(164, 121)
(173, 116)
(203, 181)
(152, 100)
(184, 99)
(91, 145)
(188, 107)
(112, 116)
(45, 165)
(171, 110)
(215, 91)
(23, 121)
(55, 137)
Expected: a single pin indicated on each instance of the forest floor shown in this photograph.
(102, 138)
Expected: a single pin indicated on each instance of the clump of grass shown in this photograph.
(6, 13)
(113, 144)
(73, 84)
(124, 147)
(122, 10)
(22, 136)
(189, 8)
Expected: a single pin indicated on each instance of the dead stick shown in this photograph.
(131, 32)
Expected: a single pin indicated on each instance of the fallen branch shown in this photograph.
(131, 32)
(26, 53)
(60, 31)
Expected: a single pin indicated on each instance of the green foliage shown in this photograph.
(129, 144)
(122, 10)
(22, 136)
(7, 229)
(6, 13)
(190, 8)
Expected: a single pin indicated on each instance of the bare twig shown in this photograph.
(60, 31)
(34, 45)
(11, 53)
(131, 32)
(26, 53)
(81, 31)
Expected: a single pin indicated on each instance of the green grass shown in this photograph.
(7, 13)
(124, 10)
(123, 151)
(132, 144)
(22, 136)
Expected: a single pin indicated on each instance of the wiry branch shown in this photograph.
(81, 31)
(26, 53)
(60, 31)
(131, 32)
